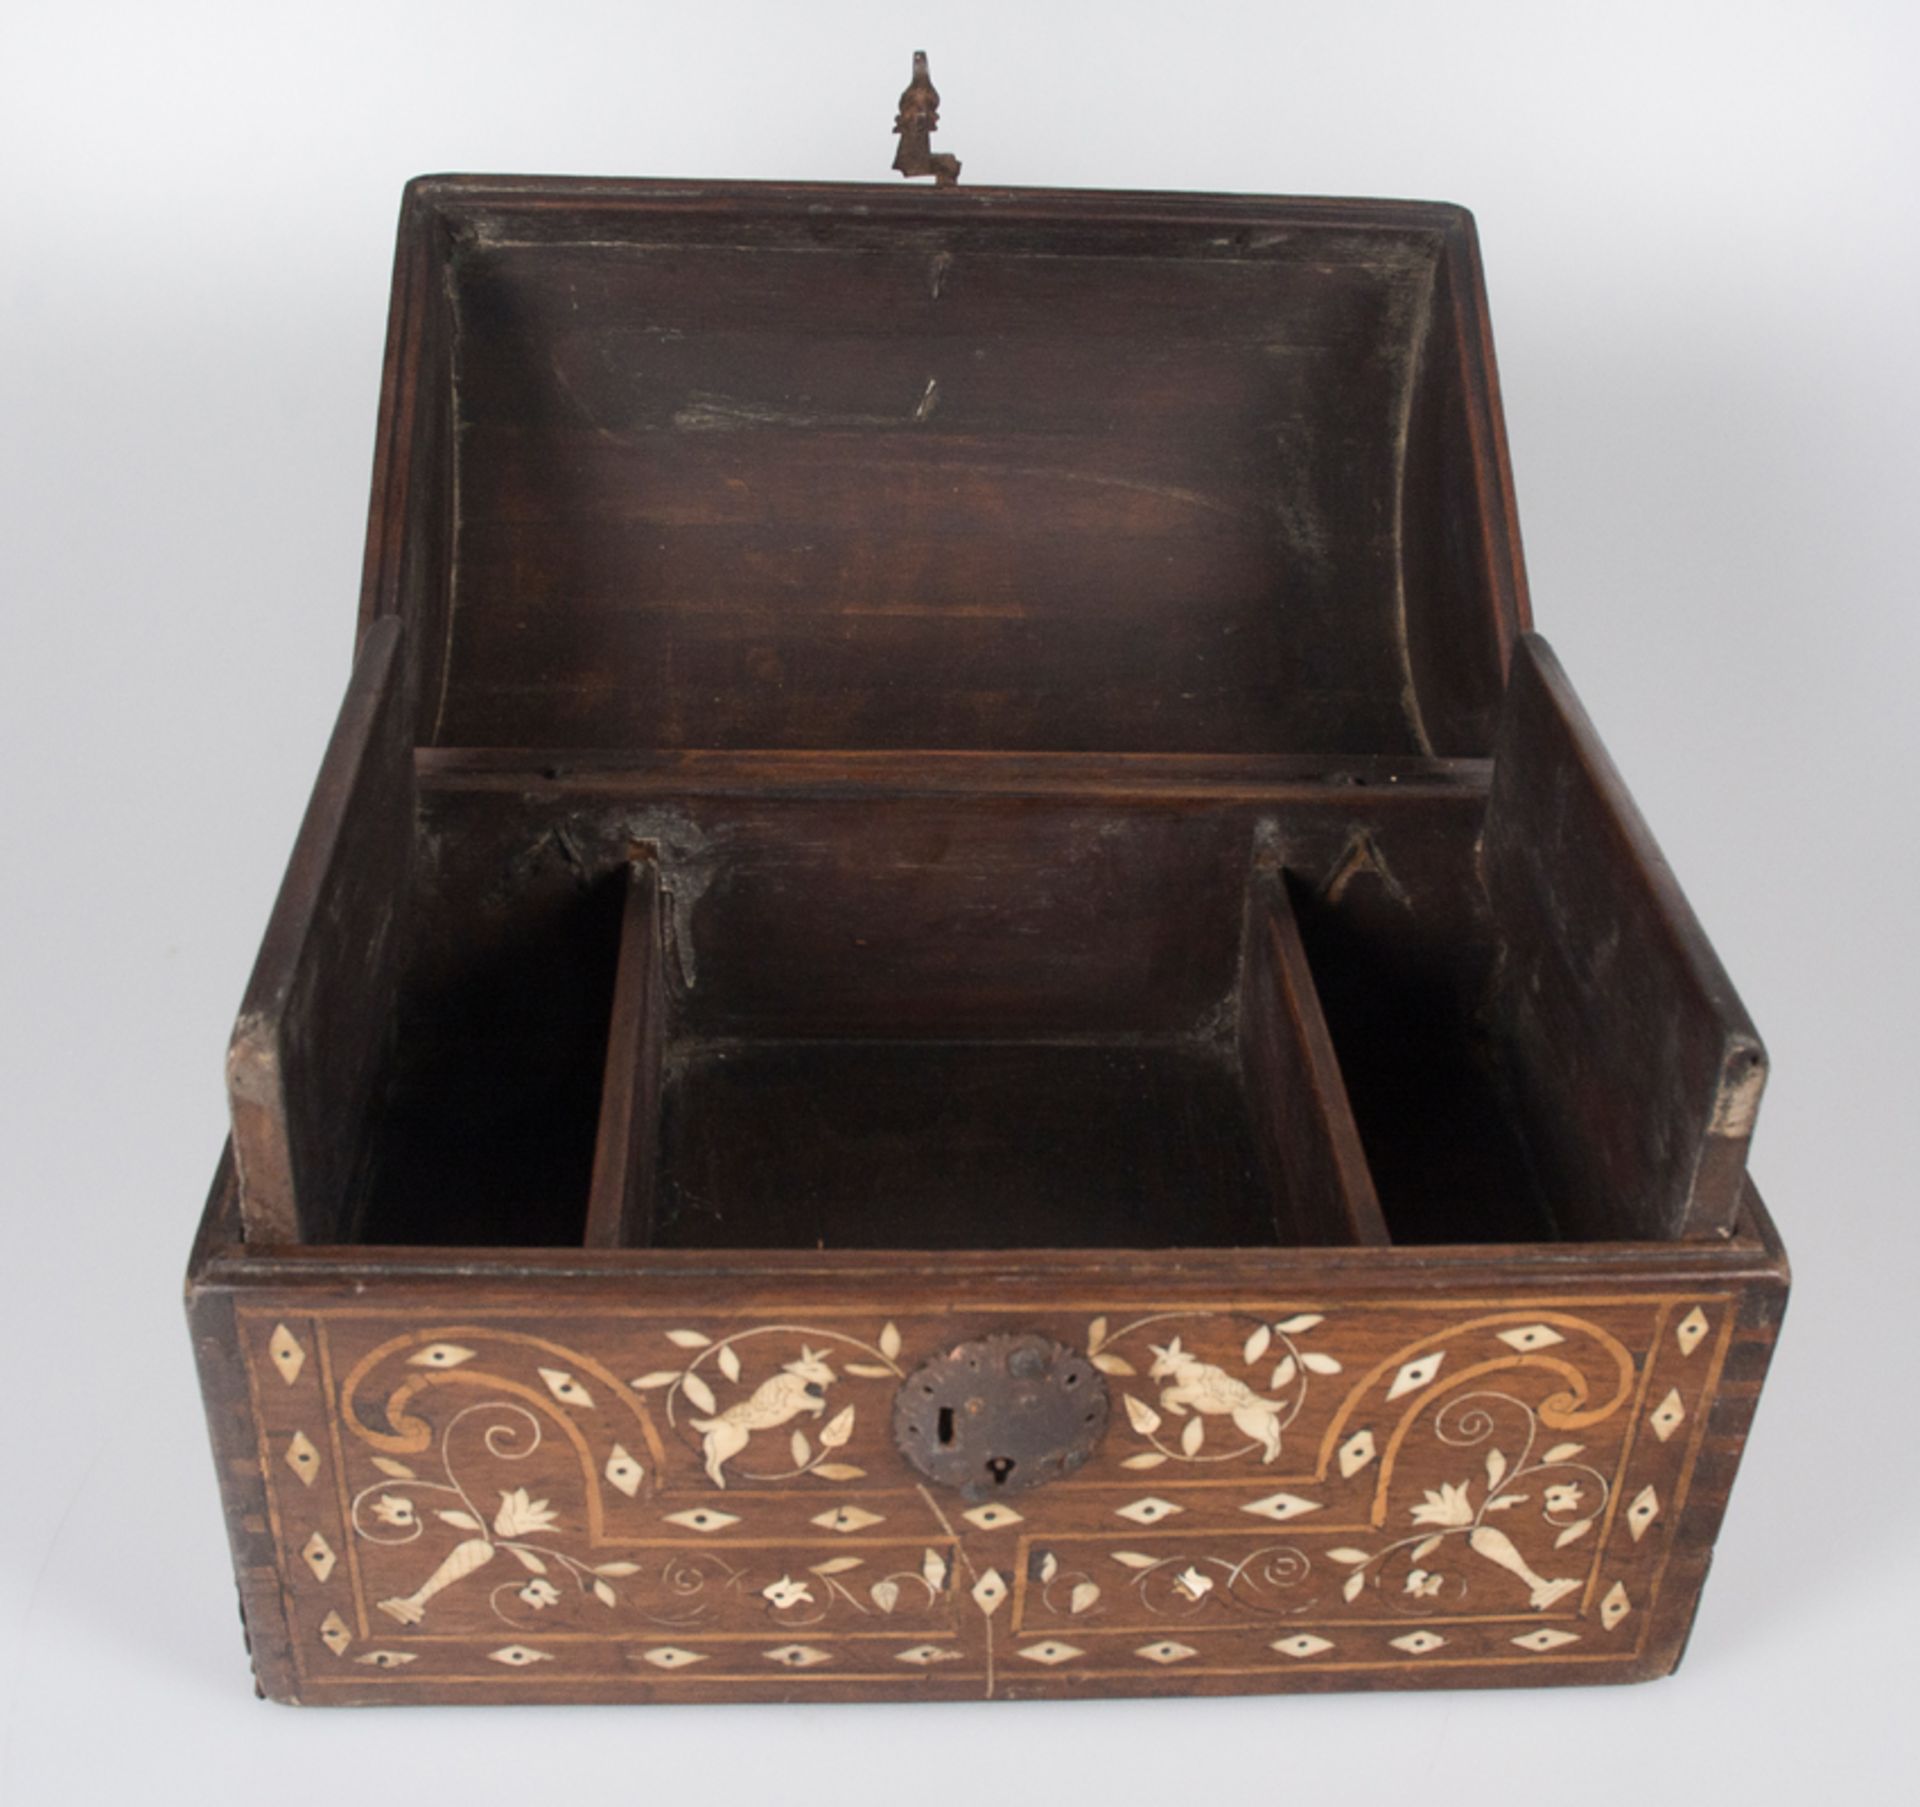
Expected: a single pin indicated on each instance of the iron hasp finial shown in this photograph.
(916, 123)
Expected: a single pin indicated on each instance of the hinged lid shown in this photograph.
(695, 465)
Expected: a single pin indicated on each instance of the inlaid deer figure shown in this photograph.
(1212, 1392)
(800, 1386)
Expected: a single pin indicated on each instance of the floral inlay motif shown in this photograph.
(390, 1512)
(1423, 1567)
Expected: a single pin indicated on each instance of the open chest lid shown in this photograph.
(681, 466)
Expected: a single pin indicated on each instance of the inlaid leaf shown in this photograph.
(1347, 1555)
(1193, 1436)
(1283, 1374)
(1316, 1363)
(1293, 1326)
(464, 1521)
(398, 1470)
(890, 1341)
(660, 1377)
(1496, 1469)
(1096, 1335)
(869, 1371)
(688, 1339)
(1132, 1559)
(839, 1429)
(616, 1568)
(1085, 1595)
(1049, 1567)
(1142, 1416)
(1506, 1502)
(698, 1391)
(1151, 1458)
(528, 1561)
(729, 1361)
(838, 1471)
(1355, 1582)
(885, 1595)
(933, 1567)
(1561, 1452)
(801, 1448)
(604, 1594)
(1257, 1345)
(836, 1565)
(1573, 1533)
(1109, 1363)
(1427, 1549)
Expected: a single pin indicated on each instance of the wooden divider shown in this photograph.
(626, 1149)
(1305, 1125)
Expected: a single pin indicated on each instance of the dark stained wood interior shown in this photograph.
(963, 724)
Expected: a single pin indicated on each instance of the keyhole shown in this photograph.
(946, 1424)
(1000, 1467)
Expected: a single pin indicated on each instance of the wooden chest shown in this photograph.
(962, 1011)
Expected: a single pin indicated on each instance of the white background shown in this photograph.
(1700, 234)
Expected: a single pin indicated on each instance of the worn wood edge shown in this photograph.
(1500, 539)
(626, 1144)
(256, 1092)
(399, 391)
(1714, 1188)
(1276, 960)
(227, 1401)
(454, 193)
(757, 772)
(1759, 1315)
(221, 1259)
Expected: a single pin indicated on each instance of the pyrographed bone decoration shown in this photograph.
(916, 123)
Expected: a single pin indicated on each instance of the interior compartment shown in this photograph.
(988, 721)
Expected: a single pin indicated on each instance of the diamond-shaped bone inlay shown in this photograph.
(1303, 1644)
(440, 1355)
(334, 1634)
(1615, 1606)
(671, 1656)
(1668, 1415)
(387, 1659)
(303, 1458)
(565, 1388)
(1418, 1643)
(991, 1518)
(1416, 1374)
(1690, 1331)
(1149, 1511)
(847, 1518)
(318, 1555)
(923, 1654)
(797, 1656)
(1166, 1651)
(705, 1518)
(1641, 1514)
(624, 1471)
(1356, 1453)
(1546, 1638)
(1281, 1506)
(287, 1355)
(1051, 1652)
(518, 1656)
(1529, 1337)
(989, 1591)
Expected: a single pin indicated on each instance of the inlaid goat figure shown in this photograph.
(800, 1386)
(1212, 1392)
